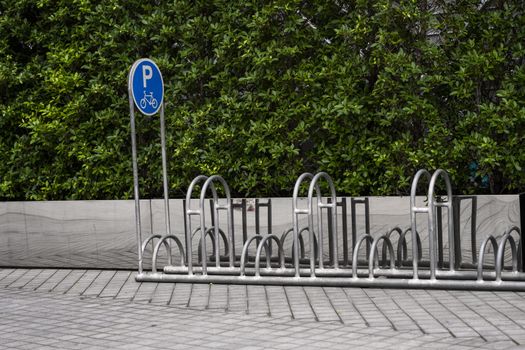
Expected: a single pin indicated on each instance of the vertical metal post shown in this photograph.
(185, 226)
(456, 207)
(342, 204)
(353, 202)
(345, 231)
(457, 228)
(257, 219)
(431, 236)
(269, 206)
(164, 171)
(354, 224)
(258, 206)
(439, 222)
(138, 226)
(522, 227)
(330, 232)
(473, 231)
(242, 206)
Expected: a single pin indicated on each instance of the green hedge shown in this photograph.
(369, 91)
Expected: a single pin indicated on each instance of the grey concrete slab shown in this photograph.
(105, 308)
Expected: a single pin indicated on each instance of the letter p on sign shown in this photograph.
(147, 74)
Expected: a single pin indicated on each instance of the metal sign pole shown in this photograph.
(146, 92)
(138, 226)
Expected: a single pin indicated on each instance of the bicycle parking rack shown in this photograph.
(388, 263)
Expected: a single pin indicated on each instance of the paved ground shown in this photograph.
(91, 309)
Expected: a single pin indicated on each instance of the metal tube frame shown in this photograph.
(375, 275)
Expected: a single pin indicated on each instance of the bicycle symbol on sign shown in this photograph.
(149, 99)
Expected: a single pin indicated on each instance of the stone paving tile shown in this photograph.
(237, 300)
(278, 302)
(115, 285)
(344, 308)
(163, 293)
(299, 304)
(218, 298)
(391, 318)
(181, 294)
(199, 295)
(257, 300)
(128, 289)
(68, 281)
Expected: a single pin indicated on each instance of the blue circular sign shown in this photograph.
(146, 85)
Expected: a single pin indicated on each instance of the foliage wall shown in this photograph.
(261, 91)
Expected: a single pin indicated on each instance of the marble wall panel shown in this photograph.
(101, 234)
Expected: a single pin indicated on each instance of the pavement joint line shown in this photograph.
(458, 317)
(288, 302)
(16, 279)
(380, 310)
(9, 274)
(247, 300)
(136, 292)
(209, 297)
(153, 293)
(507, 302)
(47, 279)
(56, 285)
(406, 313)
(107, 283)
(367, 324)
(316, 317)
(32, 279)
(189, 297)
(123, 284)
(226, 309)
(267, 302)
(91, 283)
(489, 321)
(332, 305)
(172, 293)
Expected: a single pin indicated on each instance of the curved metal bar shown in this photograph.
(296, 212)
(413, 211)
(301, 241)
(501, 255)
(189, 213)
(211, 232)
(315, 251)
(518, 231)
(244, 254)
(229, 215)
(145, 243)
(374, 252)
(209, 183)
(262, 244)
(314, 185)
(355, 253)
(401, 246)
(432, 237)
(156, 251)
(481, 256)
(402, 238)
